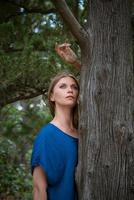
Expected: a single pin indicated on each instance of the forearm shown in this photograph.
(39, 194)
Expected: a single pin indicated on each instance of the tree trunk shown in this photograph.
(106, 147)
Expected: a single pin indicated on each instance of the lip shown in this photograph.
(70, 97)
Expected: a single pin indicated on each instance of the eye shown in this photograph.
(75, 87)
(62, 86)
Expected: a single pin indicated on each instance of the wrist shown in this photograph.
(76, 64)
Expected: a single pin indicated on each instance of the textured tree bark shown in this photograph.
(106, 147)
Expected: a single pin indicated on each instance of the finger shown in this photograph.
(65, 44)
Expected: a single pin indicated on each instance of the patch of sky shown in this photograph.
(36, 30)
(49, 19)
(21, 10)
(81, 4)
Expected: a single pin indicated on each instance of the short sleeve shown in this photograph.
(47, 155)
(37, 155)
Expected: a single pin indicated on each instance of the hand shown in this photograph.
(66, 53)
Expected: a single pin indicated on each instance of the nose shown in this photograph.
(70, 90)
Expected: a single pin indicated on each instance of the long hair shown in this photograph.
(50, 91)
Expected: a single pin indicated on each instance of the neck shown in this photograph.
(63, 117)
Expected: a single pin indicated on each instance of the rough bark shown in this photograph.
(106, 147)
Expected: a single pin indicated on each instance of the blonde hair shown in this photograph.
(52, 104)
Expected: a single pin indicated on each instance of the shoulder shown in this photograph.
(43, 133)
(44, 130)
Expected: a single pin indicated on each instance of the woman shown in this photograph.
(54, 156)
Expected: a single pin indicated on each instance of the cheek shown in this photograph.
(58, 95)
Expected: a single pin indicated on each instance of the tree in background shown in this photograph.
(19, 124)
(106, 150)
(29, 31)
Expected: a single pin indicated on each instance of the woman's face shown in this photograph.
(65, 92)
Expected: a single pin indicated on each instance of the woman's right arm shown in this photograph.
(65, 52)
(39, 184)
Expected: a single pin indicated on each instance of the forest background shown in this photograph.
(29, 31)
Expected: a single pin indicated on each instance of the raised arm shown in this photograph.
(39, 184)
(67, 54)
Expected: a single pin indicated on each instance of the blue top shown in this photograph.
(56, 152)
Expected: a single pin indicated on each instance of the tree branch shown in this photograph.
(77, 30)
(39, 10)
(36, 10)
(14, 50)
(31, 10)
(11, 50)
(20, 95)
(76, 9)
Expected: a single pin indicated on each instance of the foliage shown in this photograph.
(29, 31)
(19, 125)
(28, 34)
(15, 179)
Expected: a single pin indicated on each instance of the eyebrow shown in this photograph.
(66, 84)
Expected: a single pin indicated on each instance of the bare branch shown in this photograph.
(77, 30)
